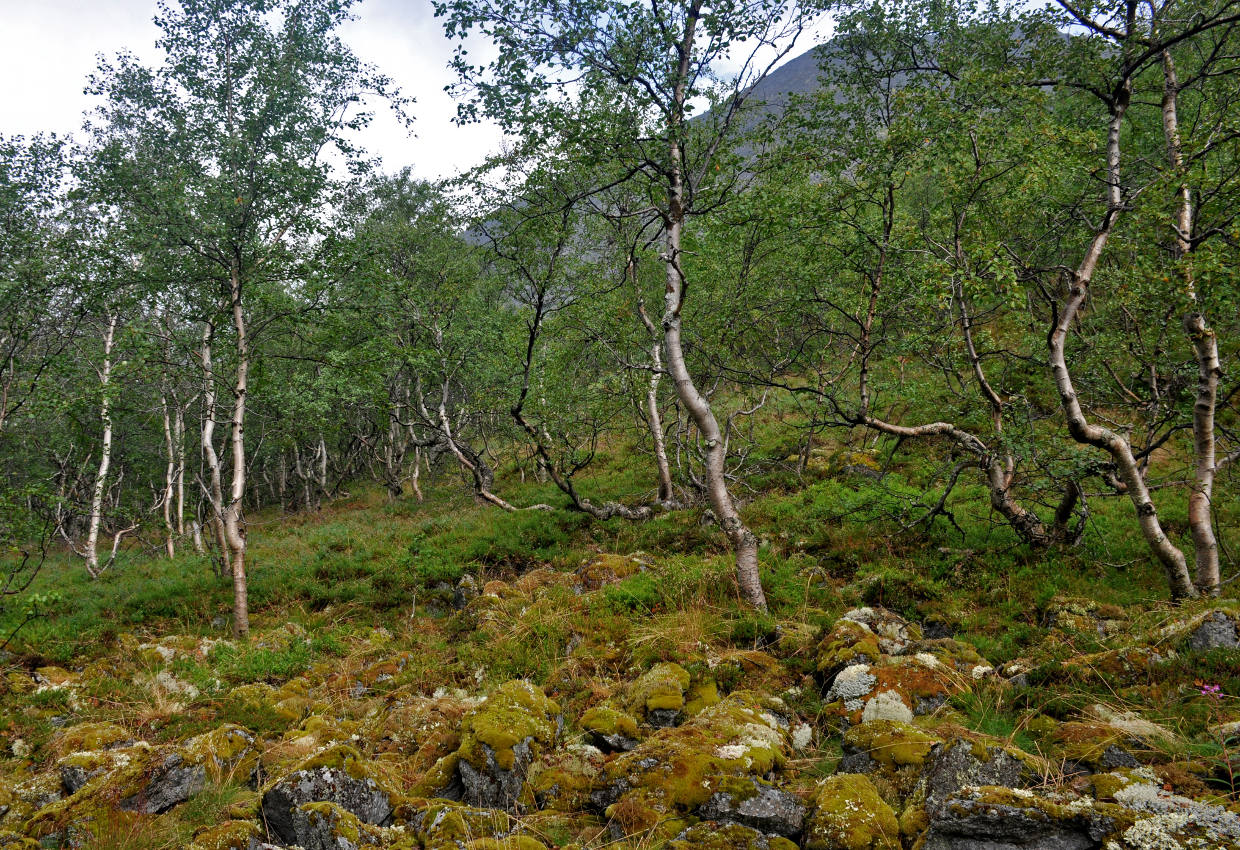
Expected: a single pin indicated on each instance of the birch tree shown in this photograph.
(619, 81)
(224, 152)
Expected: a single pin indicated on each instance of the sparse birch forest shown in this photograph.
(815, 426)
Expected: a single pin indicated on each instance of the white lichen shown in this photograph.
(853, 682)
(887, 705)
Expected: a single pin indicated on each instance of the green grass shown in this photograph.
(830, 540)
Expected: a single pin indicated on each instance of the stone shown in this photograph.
(172, 780)
(676, 771)
(960, 763)
(326, 826)
(986, 818)
(885, 746)
(658, 695)
(610, 730)
(500, 739)
(336, 776)
(848, 814)
(1216, 631)
(757, 804)
(448, 825)
(727, 836)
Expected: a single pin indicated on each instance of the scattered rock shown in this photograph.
(757, 804)
(849, 814)
(727, 836)
(1216, 631)
(337, 776)
(500, 739)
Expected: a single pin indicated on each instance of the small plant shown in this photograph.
(1225, 767)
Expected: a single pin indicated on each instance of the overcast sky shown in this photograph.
(48, 47)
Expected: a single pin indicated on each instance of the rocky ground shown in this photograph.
(861, 732)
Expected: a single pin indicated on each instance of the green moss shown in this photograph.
(563, 779)
(515, 711)
(704, 692)
(342, 824)
(671, 773)
(91, 736)
(731, 836)
(227, 751)
(849, 814)
(608, 721)
(846, 643)
(890, 743)
(662, 687)
(445, 826)
(230, 835)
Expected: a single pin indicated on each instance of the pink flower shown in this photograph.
(1211, 691)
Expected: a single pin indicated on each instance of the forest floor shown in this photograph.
(443, 674)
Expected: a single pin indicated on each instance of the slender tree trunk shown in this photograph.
(234, 522)
(1120, 450)
(178, 433)
(215, 487)
(654, 421)
(322, 479)
(169, 475)
(417, 463)
(105, 456)
(744, 542)
(1205, 348)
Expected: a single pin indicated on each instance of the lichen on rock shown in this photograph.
(849, 814)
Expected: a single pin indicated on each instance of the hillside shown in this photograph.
(444, 675)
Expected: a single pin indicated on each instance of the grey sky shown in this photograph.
(48, 47)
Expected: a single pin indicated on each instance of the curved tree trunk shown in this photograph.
(744, 542)
(1120, 450)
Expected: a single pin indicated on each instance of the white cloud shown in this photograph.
(49, 47)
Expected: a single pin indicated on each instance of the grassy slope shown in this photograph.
(362, 575)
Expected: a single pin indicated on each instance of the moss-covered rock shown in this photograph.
(754, 803)
(610, 729)
(1095, 745)
(445, 825)
(229, 835)
(997, 817)
(887, 746)
(338, 775)
(727, 836)
(563, 779)
(327, 826)
(845, 644)
(849, 814)
(86, 737)
(668, 775)
(500, 739)
(141, 779)
(229, 753)
(421, 730)
(658, 695)
(604, 569)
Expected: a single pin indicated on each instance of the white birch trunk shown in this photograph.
(105, 456)
(1205, 348)
(234, 521)
(1120, 450)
